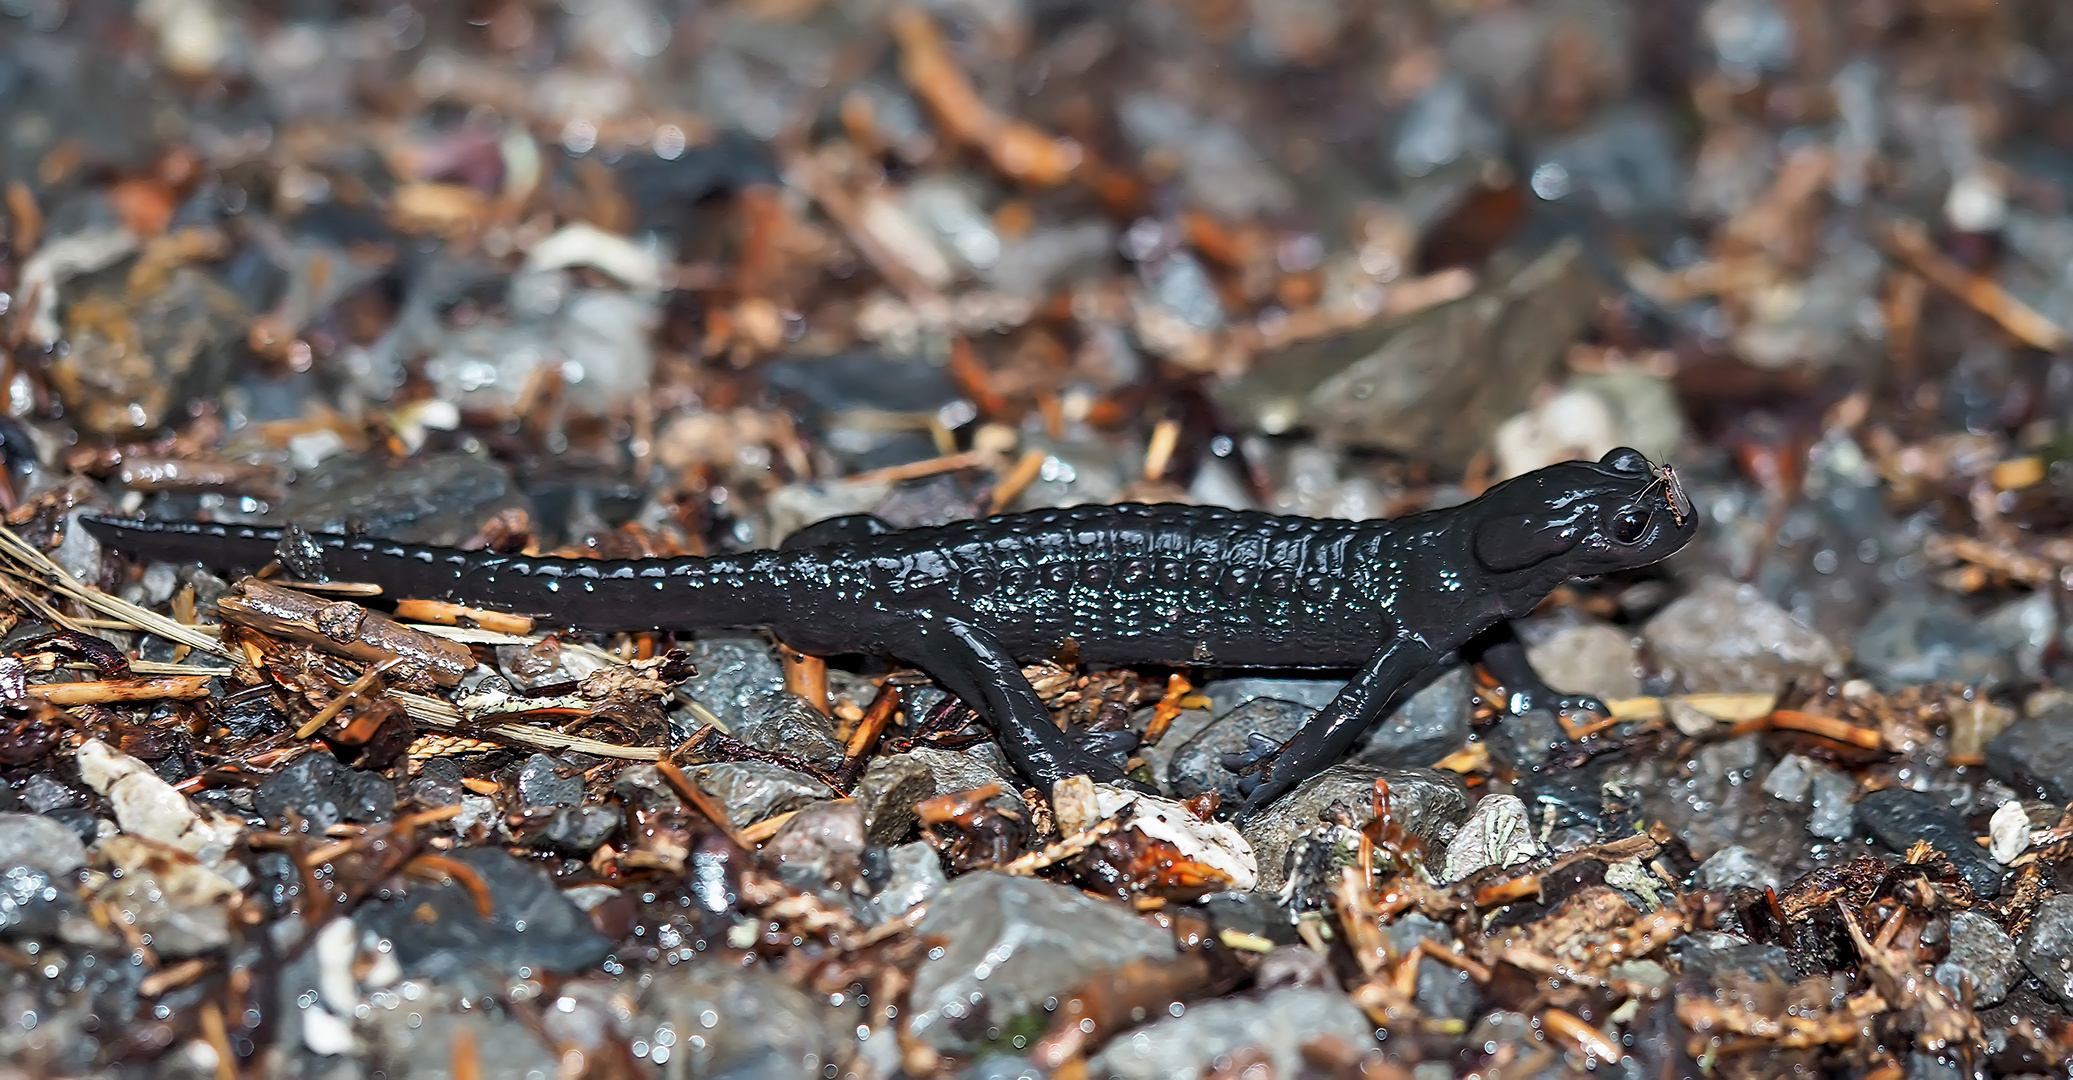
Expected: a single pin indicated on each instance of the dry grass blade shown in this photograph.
(37, 566)
(440, 714)
(477, 635)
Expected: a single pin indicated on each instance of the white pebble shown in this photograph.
(326, 1034)
(2009, 831)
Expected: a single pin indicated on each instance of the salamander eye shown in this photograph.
(1629, 525)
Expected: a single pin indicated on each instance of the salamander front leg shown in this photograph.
(1388, 677)
(972, 665)
(1500, 652)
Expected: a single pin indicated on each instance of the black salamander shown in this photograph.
(1400, 600)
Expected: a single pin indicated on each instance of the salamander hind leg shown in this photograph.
(971, 664)
(1499, 651)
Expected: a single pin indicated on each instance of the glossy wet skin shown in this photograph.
(1399, 600)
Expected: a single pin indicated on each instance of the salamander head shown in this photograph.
(1580, 518)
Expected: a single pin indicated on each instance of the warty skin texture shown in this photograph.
(1399, 601)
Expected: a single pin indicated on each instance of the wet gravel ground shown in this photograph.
(630, 278)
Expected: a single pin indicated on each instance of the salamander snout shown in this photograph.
(1647, 515)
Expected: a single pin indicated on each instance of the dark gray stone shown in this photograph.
(915, 874)
(1834, 815)
(720, 1020)
(732, 672)
(784, 723)
(1158, 757)
(1200, 764)
(541, 784)
(1898, 818)
(1009, 944)
(575, 830)
(1724, 637)
(437, 931)
(1592, 658)
(35, 904)
(1711, 954)
(78, 819)
(1982, 954)
(323, 793)
(966, 770)
(1428, 727)
(1443, 992)
(1277, 1025)
(1436, 384)
(43, 794)
(40, 844)
(1227, 694)
(1736, 867)
(1923, 638)
(1626, 162)
(438, 783)
(418, 1043)
(1529, 739)
(1430, 803)
(1253, 913)
(750, 790)
(887, 794)
(1431, 725)
(438, 499)
(2034, 755)
(2046, 947)
(821, 847)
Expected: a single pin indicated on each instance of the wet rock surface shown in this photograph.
(39, 844)
(2035, 754)
(1013, 943)
(1721, 637)
(1427, 802)
(755, 790)
(705, 1021)
(435, 501)
(440, 931)
(1899, 818)
(1276, 1026)
(1981, 956)
(321, 792)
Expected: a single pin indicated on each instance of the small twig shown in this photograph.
(1827, 727)
(1581, 1035)
(218, 1037)
(893, 474)
(805, 677)
(1054, 853)
(1017, 481)
(442, 613)
(346, 697)
(460, 873)
(329, 588)
(172, 978)
(688, 790)
(1910, 241)
(161, 688)
(1158, 454)
(865, 738)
